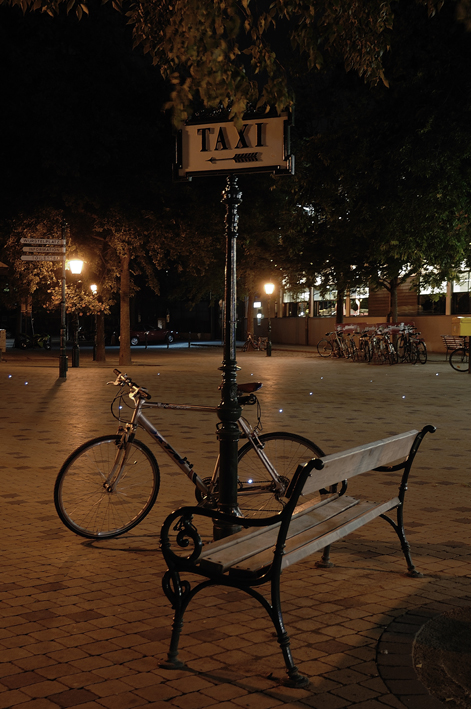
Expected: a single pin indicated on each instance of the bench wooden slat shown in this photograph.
(304, 544)
(360, 460)
(221, 555)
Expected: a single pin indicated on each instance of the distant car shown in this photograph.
(151, 335)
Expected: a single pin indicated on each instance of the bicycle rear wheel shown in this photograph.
(285, 451)
(422, 352)
(459, 360)
(324, 347)
(89, 505)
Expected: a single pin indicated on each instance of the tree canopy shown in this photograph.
(382, 189)
(235, 53)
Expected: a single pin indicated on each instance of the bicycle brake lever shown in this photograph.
(117, 383)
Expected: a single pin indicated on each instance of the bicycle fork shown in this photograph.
(122, 456)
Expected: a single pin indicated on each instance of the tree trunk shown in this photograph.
(100, 353)
(393, 298)
(340, 297)
(124, 319)
(249, 314)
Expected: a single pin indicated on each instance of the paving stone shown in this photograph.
(40, 703)
(12, 698)
(326, 701)
(21, 680)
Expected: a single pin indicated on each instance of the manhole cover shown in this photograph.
(442, 657)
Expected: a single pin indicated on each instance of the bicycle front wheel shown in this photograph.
(392, 354)
(459, 360)
(401, 348)
(285, 451)
(103, 490)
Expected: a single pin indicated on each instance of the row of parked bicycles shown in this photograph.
(381, 344)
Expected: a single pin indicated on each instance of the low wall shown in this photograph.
(308, 331)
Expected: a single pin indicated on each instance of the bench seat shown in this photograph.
(250, 552)
(452, 342)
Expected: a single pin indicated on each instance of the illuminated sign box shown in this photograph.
(215, 147)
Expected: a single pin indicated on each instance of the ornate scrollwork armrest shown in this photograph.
(187, 537)
(180, 533)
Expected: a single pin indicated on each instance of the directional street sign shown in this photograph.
(45, 249)
(42, 257)
(43, 242)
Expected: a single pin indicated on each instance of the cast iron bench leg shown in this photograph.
(295, 678)
(325, 562)
(405, 546)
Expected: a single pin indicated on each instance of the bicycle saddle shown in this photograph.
(249, 387)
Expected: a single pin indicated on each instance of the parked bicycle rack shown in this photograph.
(379, 343)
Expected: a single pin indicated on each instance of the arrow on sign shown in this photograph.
(240, 157)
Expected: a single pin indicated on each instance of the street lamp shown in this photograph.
(269, 288)
(75, 266)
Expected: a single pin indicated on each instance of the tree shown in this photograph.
(40, 281)
(235, 53)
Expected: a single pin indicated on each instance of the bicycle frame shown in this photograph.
(139, 419)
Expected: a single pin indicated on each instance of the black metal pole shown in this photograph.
(75, 346)
(95, 339)
(269, 331)
(229, 410)
(62, 350)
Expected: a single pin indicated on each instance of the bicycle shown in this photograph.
(256, 343)
(410, 347)
(459, 358)
(381, 348)
(362, 351)
(337, 346)
(110, 483)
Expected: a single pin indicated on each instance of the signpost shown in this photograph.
(51, 250)
(215, 147)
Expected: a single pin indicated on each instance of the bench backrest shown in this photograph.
(236, 551)
(335, 468)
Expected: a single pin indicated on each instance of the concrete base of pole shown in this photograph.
(63, 366)
(75, 356)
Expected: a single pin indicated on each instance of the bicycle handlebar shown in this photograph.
(122, 379)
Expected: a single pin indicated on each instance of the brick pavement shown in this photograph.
(85, 624)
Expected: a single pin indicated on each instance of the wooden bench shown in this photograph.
(258, 553)
(452, 342)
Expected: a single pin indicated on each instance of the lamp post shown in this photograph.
(62, 351)
(94, 289)
(269, 288)
(76, 266)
